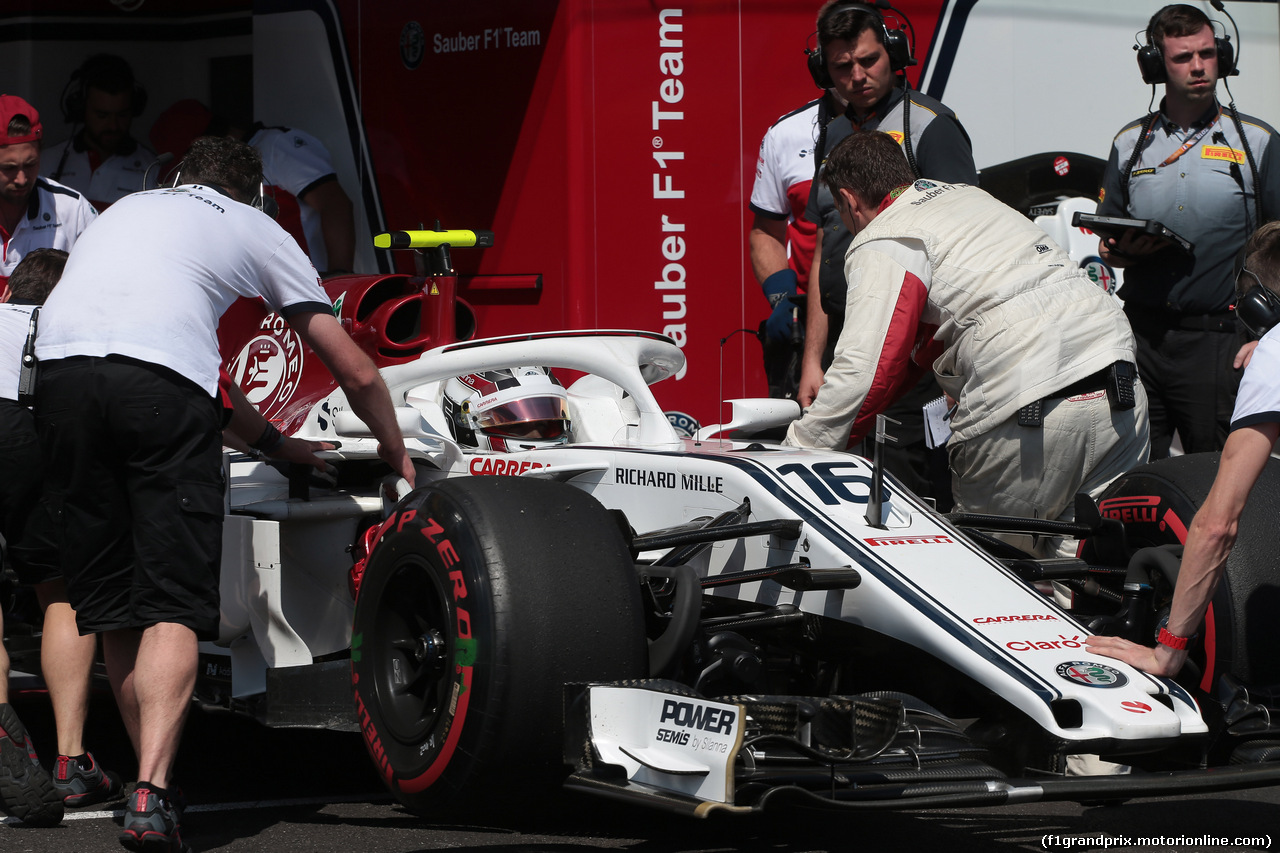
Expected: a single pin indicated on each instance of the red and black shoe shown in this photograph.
(26, 788)
(78, 785)
(152, 822)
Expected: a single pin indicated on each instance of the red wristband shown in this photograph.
(1172, 641)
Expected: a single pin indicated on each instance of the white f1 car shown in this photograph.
(716, 622)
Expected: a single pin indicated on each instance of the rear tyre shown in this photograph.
(1156, 503)
(483, 597)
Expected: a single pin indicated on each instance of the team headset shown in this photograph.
(261, 201)
(75, 94)
(898, 48)
(1258, 308)
(1151, 59)
(894, 40)
(1151, 64)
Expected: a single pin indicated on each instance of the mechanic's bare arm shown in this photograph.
(359, 378)
(1209, 542)
(815, 340)
(768, 242)
(337, 223)
(248, 424)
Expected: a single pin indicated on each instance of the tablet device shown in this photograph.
(1117, 227)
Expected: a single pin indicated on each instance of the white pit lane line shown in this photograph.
(247, 805)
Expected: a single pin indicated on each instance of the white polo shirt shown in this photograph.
(14, 322)
(1258, 400)
(54, 219)
(784, 173)
(295, 161)
(115, 177)
(153, 276)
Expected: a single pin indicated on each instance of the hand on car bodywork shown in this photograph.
(398, 459)
(1160, 660)
(302, 452)
(811, 380)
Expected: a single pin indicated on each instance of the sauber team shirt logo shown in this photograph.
(267, 368)
(1092, 674)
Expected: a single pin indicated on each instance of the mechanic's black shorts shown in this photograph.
(133, 461)
(29, 544)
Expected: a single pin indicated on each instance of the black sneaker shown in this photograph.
(78, 786)
(26, 788)
(152, 823)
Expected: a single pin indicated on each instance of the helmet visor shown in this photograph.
(532, 417)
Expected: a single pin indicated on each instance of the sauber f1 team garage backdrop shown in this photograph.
(609, 144)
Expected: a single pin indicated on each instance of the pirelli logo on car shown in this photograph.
(936, 539)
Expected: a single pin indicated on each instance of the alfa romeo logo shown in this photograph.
(267, 368)
(1091, 674)
(413, 45)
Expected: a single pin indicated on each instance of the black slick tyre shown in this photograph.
(482, 597)
(1156, 503)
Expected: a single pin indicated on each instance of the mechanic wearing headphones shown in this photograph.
(101, 159)
(298, 172)
(1255, 426)
(1038, 358)
(1206, 172)
(143, 524)
(35, 212)
(864, 62)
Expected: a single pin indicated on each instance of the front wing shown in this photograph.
(659, 744)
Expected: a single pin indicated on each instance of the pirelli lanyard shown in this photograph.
(1190, 143)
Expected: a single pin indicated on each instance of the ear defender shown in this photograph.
(894, 41)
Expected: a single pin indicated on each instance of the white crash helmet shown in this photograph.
(517, 408)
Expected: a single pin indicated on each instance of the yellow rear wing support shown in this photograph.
(454, 238)
(432, 247)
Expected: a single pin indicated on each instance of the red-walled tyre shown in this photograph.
(1156, 503)
(482, 598)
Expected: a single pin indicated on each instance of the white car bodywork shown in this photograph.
(284, 577)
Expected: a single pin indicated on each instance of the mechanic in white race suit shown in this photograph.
(945, 276)
(1255, 426)
(130, 426)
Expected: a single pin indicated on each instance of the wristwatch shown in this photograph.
(1173, 641)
